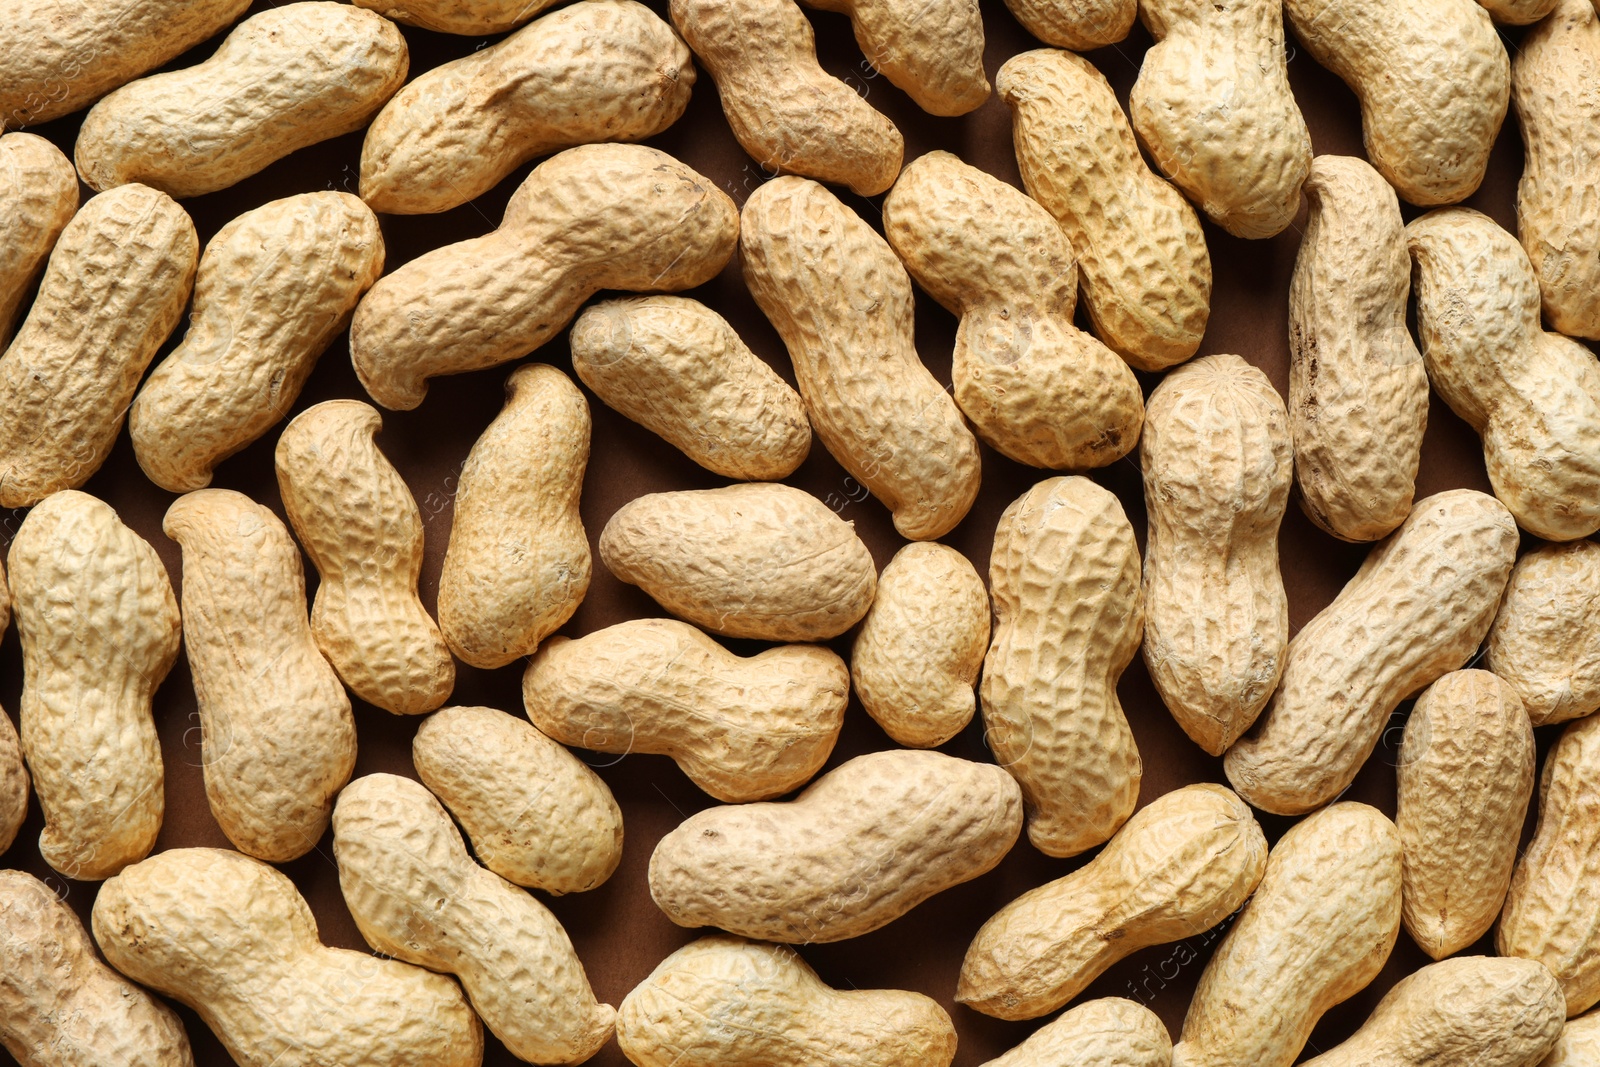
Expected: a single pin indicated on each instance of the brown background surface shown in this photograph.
(618, 931)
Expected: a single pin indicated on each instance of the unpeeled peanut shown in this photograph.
(1545, 640)
(1080, 25)
(473, 17)
(38, 196)
(13, 769)
(931, 51)
(1110, 1032)
(1518, 12)
(1579, 1045)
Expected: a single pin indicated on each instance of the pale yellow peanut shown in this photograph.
(1519, 12)
(1076, 24)
(1109, 1032)
(473, 17)
(932, 50)
(1579, 1045)
(1545, 640)
(38, 196)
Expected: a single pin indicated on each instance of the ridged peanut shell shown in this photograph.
(1080, 25)
(38, 196)
(1518, 12)
(468, 17)
(13, 769)
(1109, 1032)
(931, 51)
(1579, 1045)
(1545, 640)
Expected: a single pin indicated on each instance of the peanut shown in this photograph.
(933, 52)
(1110, 1032)
(595, 217)
(100, 630)
(1545, 641)
(1358, 393)
(1579, 1045)
(284, 79)
(1217, 467)
(277, 738)
(469, 17)
(1319, 928)
(1142, 259)
(724, 1002)
(1037, 389)
(276, 286)
(860, 847)
(1433, 81)
(600, 70)
(535, 814)
(1533, 396)
(1064, 575)
(361, 527)
(678, 369)
(842, 303)
(13, 769)
(518, 564)
(760, 560)
(114, 288)
(1178, 867)
(233, 939)
(788, 113)
(1417, 609)
(38, 197)
(418, 896)
(1518, 12)
(1080, 25)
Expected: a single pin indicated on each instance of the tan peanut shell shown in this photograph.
(1142, 258)
(518, 564)
(360, 525)
(1552, 911)
(725, 1002)
(1417, 609)
(277, 738)
(1545, 641)
(13, 769)
(275, 287)
(1465, 777)
(60, 1006)
(595, 217)
(1181, 865)
(933, 52)
(1358, 393)
(536, 815)
(678, 369)
(1557, 217)
(1473, 1009)
(1080, 25)
(741, 728)
(760, 560)
(233, 939)
(1518, 12)
(789, 114)
(1319, 928)
(1579, 1045)
(1217, 467)
(841, 301)
(61, 56)
(1533, 396)
(100, 630)
(399, 857)
(916, 658)
(1064, 576)
(1212, 105)
(860, 847)
(38, 196)
(599, 70)
(1037, 389)
(115, 286)
(1109, 1032)
(286, 78)
(469, 17)
(1433, 81)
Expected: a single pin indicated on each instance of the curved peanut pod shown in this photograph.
(38, 197)
(360, 525)
(1110, 1032)
(284, 79)
(517, 565)
(470, 17)
(1037, 389)
(1080, 25)
(100, 630)
(933, 52)
(276, 286)
(418, 896)
(1545, 640)
(842, 303)
(1417, 609)
(594, 217)
(1518, 12)
(456, 131)
(1579, 1045)
(115, 287)
(277, 738)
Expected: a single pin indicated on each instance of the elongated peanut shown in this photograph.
(599, 70)
(276, 286)
(722, 1002)
(1110, 1032)
(842, 303)
(595, 217)
(1037, 389)
(100, 630)
(863, 845)
(933, 51)
(13, 769)
(759, 560)
(1142, 258)
(1545, 640)
(788, 113)
(1319, 928)
(115, 287)
(1417, 609)
(38, 196)
(1579, 1045)
(1358, 393)
(1064, 575)
(517, 565)
(361, 527)
(1080, 25)
(472, 17)
(277, 738)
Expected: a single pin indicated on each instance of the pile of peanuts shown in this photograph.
(436, 869)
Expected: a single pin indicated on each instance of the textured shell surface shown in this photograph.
(38, 197)
(13, 768)
(933, 52)
(1545, 640)
(471, 17)
(1579, 1045)
(1518, 12)
(1110, 1032)
(1076, 24)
